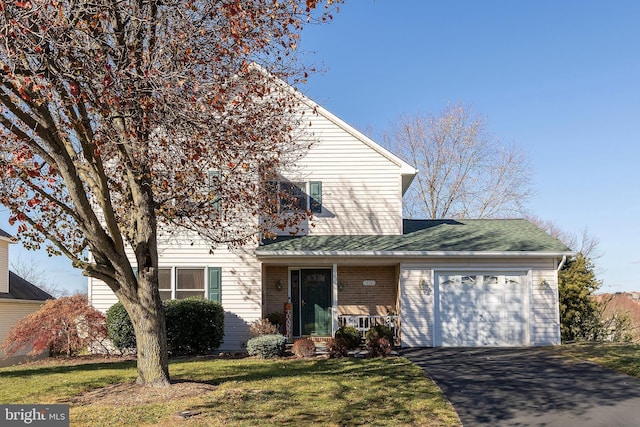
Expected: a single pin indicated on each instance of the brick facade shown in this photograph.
(274, 298)
(354, 299)
(357, 299)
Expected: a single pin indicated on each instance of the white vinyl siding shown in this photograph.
(4, 266)
(240, 290)
(361, 188)
(416, 306)
(420, 311)
(10, 312)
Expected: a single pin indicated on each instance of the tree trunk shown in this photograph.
(151, 337)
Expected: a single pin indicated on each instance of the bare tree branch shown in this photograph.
(463, 172)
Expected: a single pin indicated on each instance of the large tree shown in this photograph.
(463, 172)
(118, 118)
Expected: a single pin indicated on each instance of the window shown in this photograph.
(297, 195)
(292, 196)
(185, 282)
(164, 283)
(189, 282)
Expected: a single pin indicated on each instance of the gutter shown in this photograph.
(262, 254)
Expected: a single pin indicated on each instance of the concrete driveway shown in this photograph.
(529, 387)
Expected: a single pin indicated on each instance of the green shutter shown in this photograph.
(213, 177)
(215, 278)
(315, 193)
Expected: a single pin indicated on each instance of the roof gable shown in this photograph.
(407, 171)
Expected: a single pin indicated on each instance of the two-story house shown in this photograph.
(436, 282)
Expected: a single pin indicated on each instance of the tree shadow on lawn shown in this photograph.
(350, 392)
(29, 371)
(347, 389)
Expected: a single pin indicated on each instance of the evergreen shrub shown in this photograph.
(351, 335)
(266, 346)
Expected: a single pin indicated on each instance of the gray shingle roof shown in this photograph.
(4, 234)
(437, 236)
(19, 288)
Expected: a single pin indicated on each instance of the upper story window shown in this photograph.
(298, 195)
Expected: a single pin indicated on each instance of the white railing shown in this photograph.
(364, 323)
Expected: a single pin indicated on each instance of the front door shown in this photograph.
(312, 301)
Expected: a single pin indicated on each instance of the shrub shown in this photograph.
(338, 347)
(262, 327)
(379, 331)
(304, 347)
(65, 325)
(350, 334)
(379, 347)
(120, 328)
(194, 325)
(276, 318)
(266, 346)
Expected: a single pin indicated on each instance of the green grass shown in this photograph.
(620, 357)
(249, 392)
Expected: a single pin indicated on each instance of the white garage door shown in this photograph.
(484, 309)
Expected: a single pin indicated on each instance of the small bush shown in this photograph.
(351, 335)
(304, 347)
(266, 346)
(338, 347)
(276, 318)
(194, 325)
(120, 328)
(262, 327)
(379, 331)
(379, 347)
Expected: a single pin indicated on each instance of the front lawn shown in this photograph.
(250, 392)
(620, 357)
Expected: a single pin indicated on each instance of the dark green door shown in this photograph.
(315, 302)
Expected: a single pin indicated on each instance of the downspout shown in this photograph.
(557, 298)
(564, 260)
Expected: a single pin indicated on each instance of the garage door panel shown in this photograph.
(482, 309)
(490, 299)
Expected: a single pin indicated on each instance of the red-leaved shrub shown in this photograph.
(65, 325)
(338, 347)
(379, 347)
(304, 347)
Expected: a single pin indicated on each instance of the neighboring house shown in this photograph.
(622, 305)
(18, 297)
(438, 283)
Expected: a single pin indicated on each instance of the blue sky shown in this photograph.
(559, 78)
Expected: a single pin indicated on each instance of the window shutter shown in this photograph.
(315, 193)
(213, 177)
(215, 278)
